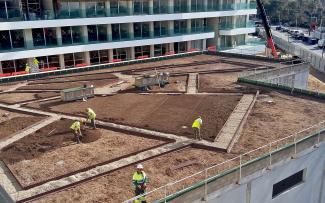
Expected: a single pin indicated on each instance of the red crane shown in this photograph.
(270, 42)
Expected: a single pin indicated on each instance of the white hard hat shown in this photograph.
(139, 166)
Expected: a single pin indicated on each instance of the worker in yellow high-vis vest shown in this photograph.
(27, 68)
(140, 181)
(76, 128)
(197, 128)
(91, 117)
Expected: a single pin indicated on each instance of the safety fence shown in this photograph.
(317, 61)
(236, 169)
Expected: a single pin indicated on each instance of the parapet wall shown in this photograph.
(295, 76)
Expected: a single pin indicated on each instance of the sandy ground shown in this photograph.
(165, 113)
(12, 98)
(117, 186)
(284, 116)
(11, 122)
(44, 155)
(315, 84)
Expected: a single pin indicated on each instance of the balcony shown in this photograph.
(121, 37)
(15, 14)
(230, 26)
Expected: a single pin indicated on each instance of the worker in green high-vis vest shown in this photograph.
(197, 128)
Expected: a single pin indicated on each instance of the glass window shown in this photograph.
(120, 54)
(160, 49)
(38, 37)
(160, 6)
(17, 38)
(95, 9)
(94, 57)
(103, 55)
(66, 35)
(50, 36)
(180, 6)
(69, 60)
(20, 64)
(140, 7)
(5, 40)
(180, 26)
(141, 30)
(8, 66)
(142, 51)
(76, 34)
(92, 33)
(53, 61)
(102, 32)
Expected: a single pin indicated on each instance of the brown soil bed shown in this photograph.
(65, 85)
(315, 84)
(117, 186)
(284, 116)
(222, 82)
(165, 113)
(13, 98)
(52, 152)
(16, 124)
(73, 78)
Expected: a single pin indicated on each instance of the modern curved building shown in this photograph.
(71, 33)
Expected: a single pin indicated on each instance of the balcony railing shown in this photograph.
(230, 26)
(123, 36)
(15, 14)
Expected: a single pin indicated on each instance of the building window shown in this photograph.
(38, 37)
(17, 38)
(160, 6)
(119, 7)
(121, 54)
(288, 183)
(5, 42)
(213, 5)
(180, 26)
(71, 35)
(180, 47)
(142, 51)
(180, 6)
(120, 32)
(141, 30)
(8, 66)
(160, 28)
(95, 9)
(160, 49)
(140, 7)
(197, 5)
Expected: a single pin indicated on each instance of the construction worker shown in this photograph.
(35, 61)
(196, 128)
(91, 117)
(27, 68)
(140, 181)
(76, 127)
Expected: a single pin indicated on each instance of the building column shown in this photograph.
(84, 31)
(152, 50)
(61, 60)
(150, 7)
(151, 29)
(213, 22)
(48, 5)
(58, 36)
(110, 55)
(130, 7)
(1, 71)
(170, 27)
(204, 44)
(87, 57)
(108, 8)
(189, 26)
(189, 6)
(28, 38)
(83, 9)
(189, 45)
(205, 5)
(109, 32)
(131, 54)
(171, 47)
(170, 6)
(131, 30)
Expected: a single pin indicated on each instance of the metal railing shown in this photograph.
(239, 165)
(15, 14)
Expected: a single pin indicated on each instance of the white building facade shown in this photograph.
(74, 33)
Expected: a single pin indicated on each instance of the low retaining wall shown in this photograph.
(291, 76)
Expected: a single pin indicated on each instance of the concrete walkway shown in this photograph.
(192, 83)
(125, 82)
(228, 132)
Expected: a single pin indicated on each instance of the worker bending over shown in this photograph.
(196, 128)
(27, 68)
(140, 181)
(76, 127)
(91, 117)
